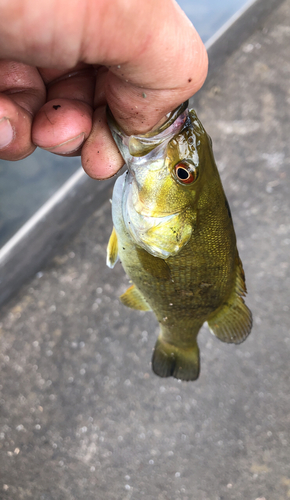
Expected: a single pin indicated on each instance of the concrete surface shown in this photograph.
(81, 414)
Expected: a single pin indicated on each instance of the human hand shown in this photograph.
(61, 63)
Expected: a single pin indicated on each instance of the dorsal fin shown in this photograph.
(233, 321)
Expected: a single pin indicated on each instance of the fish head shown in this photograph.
(164, 181)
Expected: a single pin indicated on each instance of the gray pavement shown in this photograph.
(81, 414)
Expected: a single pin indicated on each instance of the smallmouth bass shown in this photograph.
(174, 235)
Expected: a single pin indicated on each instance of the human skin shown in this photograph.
(62, 62)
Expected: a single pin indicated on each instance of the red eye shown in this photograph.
(185, 172)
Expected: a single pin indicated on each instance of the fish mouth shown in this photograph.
(152, 221)
(150, 212)
(140, 202)
(139, 217)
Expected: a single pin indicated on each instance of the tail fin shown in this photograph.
(171, 361)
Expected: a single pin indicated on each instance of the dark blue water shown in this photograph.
(27, 184)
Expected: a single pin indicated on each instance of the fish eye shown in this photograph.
(185, 172)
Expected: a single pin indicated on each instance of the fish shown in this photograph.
(173, 233)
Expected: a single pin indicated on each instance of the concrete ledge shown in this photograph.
(60, 217)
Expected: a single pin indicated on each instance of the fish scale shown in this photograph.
(174, 235)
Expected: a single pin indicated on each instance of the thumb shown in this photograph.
(145, 80)
(169, 69)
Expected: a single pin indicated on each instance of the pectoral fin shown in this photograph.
(233, 321)
(112, 249)
(134, 299)
(153, 265)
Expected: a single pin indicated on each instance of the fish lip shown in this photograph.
(135, 144)
(147, 212)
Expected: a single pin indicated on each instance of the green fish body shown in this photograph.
(174, 235)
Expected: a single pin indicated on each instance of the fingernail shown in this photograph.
(69, 146)
(6, 132)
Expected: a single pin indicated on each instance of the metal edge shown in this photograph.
(63, 214)
(48, 229)
(40, 215)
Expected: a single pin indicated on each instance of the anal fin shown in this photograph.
(233, 322)
(112, 249)
(134, 299)
(169, 360)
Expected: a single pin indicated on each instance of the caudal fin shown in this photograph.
(171, 361)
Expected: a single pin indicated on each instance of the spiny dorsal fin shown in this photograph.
(112, 249)
(233, 321)
(134, 299)
(169, 360)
